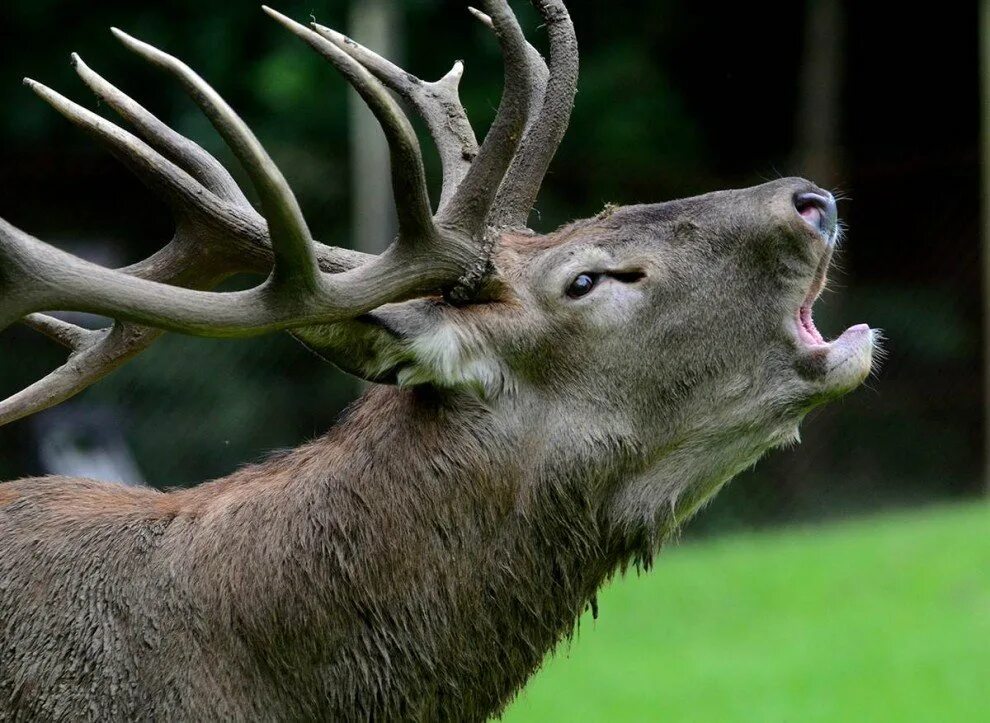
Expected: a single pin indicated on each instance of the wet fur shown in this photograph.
(327, 584)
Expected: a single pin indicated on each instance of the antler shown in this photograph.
(218, 233)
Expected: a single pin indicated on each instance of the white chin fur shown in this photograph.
(850, 358)
(453, 357)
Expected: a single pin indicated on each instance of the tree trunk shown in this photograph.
(373, 23)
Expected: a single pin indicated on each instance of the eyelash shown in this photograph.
(627, 277)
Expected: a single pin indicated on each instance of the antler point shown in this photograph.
(122, 36)
(455, 73)
(129, 40)
(483, 17)
(276, 15)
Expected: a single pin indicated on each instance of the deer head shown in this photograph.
(675, 328)
(679, 330)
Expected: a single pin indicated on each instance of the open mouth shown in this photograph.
(807, 331)
(848, 358)
(841, 364)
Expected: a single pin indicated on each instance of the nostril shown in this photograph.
(817, 209)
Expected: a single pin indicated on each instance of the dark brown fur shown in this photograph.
(379, 587)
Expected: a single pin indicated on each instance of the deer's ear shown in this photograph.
(423, 341)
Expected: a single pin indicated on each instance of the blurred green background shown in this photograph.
(881, 619)
(886, 619)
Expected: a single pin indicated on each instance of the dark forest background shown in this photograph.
(675, 99)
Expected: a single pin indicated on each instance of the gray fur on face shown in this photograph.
(421, 559)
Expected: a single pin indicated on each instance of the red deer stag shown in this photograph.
(546, 410)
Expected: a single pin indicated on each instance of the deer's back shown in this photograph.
(97, 614)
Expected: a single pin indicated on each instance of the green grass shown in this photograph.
(881, 619)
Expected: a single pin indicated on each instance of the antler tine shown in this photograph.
(183, 152)
(246, 232)
(292, 243)
(438, 104)
(155, 170)
(521, 185)
(97, 354)
(72, 337)
(408, 175)
(538, 68)
(472, 201)
(238, 228)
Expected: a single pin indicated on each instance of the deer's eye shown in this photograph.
(581, 285)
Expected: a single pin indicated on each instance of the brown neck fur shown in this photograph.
(387, 570)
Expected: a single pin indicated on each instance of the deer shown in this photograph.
(544, 411)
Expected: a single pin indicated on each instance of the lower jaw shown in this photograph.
(848, 359)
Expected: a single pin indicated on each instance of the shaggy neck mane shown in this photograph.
(440, 578)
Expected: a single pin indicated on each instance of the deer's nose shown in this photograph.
(818, 210)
